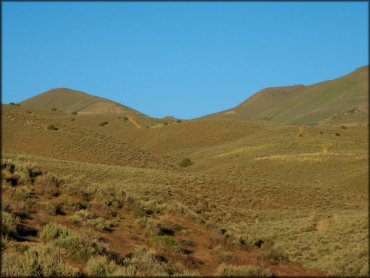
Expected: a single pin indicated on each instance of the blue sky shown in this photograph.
(175, 58)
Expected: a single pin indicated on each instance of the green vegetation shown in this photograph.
(53, 109)
(242, 271)
(261, 200)
(317, 103)
(185, 162)
(74, 113)
(103, 123)
(52, 127)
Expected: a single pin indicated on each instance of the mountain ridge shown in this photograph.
(68, 101)
(323, 102)
(300, 104)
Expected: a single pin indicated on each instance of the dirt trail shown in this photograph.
(133, 122)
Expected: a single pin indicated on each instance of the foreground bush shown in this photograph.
(53, 231)
(9, 223)
(100, 266)
(245, 271)
(36, 262)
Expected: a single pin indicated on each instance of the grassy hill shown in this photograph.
(68, 101)
(101, 193)
(342, 100)
(77, 138)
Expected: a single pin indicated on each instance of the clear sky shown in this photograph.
(175, 58)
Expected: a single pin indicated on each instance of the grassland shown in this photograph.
(342, 100)
(259, 198)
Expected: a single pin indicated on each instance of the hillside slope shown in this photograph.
(26, 131)
(68, 100)
(342, 100)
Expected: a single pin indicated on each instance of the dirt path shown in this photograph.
(133, 122)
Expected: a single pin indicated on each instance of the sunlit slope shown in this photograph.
(26, 130)
(342, 100)
(68, 101)
(178, 139)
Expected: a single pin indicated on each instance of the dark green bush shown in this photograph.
(139, 213)
(74, 113)
(337, 134)
(103, 123)
(178, 121)
(11, 103)
(185, 162)
(164, 242)
(52, 127)
(165, 123)
(343, 127)
(53, 109)
(125, 118)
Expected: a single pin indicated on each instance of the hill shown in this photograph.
(77, 138)
(102, 192)
(342, 100)
(68, 101)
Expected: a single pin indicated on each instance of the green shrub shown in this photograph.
(9, 223)
(50, 261)
(185, 162)
(100, 266)
(165, 123)
(11, 103)
(100, 223)
(11, 264)
(45, 261)
(103, 123)
(53, 231)
(125, 118)
(74, 113)
(139, 213)
(145, 262)
(178, 121)
(343, 127)
(81, 216)
(52, 127)
(53, 109)
(337, 134)
(149, 224)
(164, 242)
(242, 271)
(247, 240)
(49, 208)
